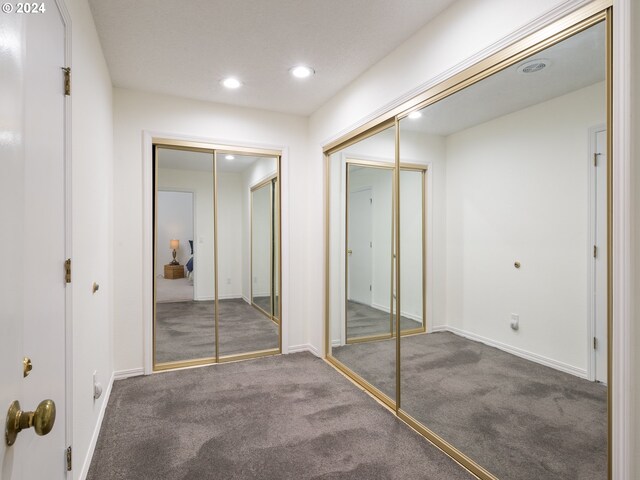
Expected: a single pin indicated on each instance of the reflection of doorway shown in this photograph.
(598, 188)
(360, 245)
(175, 221)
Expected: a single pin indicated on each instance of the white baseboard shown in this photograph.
(408, 315)
(96, 431)
(132, 372)
(229, 296)
(204, 299)
(518, 352)
(336, 343)
(305, 347)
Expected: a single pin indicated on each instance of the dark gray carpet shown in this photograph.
(520, 420)
(282, 417)
(186, 331)
(364, 321)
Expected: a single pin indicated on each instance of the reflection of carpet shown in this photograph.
(364, 320)
(178, 290)
(519, 419)
(186, 330)
(282, 417)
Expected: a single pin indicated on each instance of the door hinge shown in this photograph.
(67, 270)
(595, 343)
(596, 156)
(67, 80)
(595, 251)
(69, 458)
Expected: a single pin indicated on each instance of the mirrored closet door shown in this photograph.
(246, 212)
(477, 222)
(216, 254)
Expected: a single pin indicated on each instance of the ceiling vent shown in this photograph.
(533, 66)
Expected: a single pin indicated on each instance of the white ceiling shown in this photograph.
(575, 63)
(203, 162)
(185, 48)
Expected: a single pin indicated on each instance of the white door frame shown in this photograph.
(591, 242)
(359, 190)
(147, 232)
(66, 20)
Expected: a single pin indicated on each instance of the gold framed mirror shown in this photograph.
(516, 289)
(203, 211)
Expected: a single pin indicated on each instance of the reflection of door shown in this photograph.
(360, 245)
(32, 212)
(600, 257)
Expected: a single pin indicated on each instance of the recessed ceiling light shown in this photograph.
(231, 83)
(415, 115)
(229, 157)
(533, 66)
(302, 71)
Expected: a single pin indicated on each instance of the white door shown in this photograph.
(360, 245)
(600, 258)
(33, 293)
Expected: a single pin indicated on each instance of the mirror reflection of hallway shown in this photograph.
(246, 211)
(184, 292)
(219, 212)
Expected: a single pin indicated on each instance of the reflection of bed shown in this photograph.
(189, 264)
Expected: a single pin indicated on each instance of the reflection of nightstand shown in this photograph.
(173, 271)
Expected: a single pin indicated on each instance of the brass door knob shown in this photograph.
(41, 420)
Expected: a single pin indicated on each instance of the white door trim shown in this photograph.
(66, 20)
(147, 232)
(622, 374)
(591, 263)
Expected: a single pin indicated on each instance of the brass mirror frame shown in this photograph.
(575, 22)
(214, 150)
(270, 182)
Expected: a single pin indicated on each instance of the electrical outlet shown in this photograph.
(515, 321)
(228, 281)
(97, 386)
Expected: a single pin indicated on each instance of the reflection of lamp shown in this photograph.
(174, 245)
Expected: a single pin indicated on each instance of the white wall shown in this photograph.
(517, 190)
(92, 229)
(174, 222)
(135, 113)
(230, 235)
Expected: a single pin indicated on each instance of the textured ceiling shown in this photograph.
(185, 48)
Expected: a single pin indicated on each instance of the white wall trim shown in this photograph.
(622, 376)
(518, 352)
(68, 208)
(545, 19)
(96, 431)
(147, 232)
(131, 372)
(304, 347)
